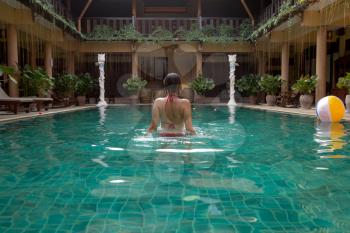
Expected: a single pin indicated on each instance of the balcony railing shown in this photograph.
(147, 25)
(271, 10)
(60, 9)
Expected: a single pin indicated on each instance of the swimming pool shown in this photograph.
(245, 171)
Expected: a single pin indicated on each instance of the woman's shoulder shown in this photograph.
(185, 101)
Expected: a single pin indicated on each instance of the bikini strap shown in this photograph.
(170, 98)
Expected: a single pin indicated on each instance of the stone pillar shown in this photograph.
(48, 58)
(135, 64)
(12, 58)
(261, 63)
(199, 64)
(33, 54)
(285, 67)
(321, 63)
(71, 62)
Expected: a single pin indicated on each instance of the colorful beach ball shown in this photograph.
(330, 109)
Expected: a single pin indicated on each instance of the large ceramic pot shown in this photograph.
(146, 96)
(271, 100)
(187, 93)
(81, 100)
(306, 101)
(347, 102)
(252, 99)
(199, 99)
(134, 98)
(92, 100)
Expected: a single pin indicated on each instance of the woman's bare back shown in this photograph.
(174, 115)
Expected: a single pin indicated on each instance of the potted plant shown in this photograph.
(64, 86)
(8, 70)
(249, 85)
(201, 85)
(35, 82)
(83, 85)
(305, 85)
(134, 85)
(344, 83)
(271, 85)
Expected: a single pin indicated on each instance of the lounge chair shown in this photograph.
(13, 102)
(25, 101)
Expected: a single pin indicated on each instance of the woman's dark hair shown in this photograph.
(172, 82)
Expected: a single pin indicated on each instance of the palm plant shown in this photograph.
(344, 82)
(135, 84)
(35, 81)
(201, 85)
(248, 84)
(305, 85)
(270, 84)
(65, 84)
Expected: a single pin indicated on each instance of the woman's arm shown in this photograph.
(188, 117)
(155, 117)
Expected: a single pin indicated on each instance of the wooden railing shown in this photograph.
(217, 21)
(89, 24)
(147, 25)
(61, 9)
(271, 10)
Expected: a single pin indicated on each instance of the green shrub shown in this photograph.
(270, 84)
(84, 84)
(8, 70)
(134, 84)
(344, 82)
(201, 85)
(248, 85)
(35, 81)
(65, 84)
(305, 84)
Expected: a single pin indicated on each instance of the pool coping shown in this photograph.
(261, 107)
(31, 115)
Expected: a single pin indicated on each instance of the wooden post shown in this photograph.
(33, 54)
(48, 58)
(134, 8)
(12, 58)
(199, 12)
(135, 64)
(199, 63)
(321, 62)
(285, 67)
(71, 62)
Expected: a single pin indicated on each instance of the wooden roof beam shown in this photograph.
(88, 2)
(248, 11)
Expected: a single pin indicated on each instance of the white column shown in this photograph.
(232, 59)
(101, 66)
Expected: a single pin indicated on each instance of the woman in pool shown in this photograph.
(173, 113)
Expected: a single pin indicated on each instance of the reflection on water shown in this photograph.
(102, 111)
(232, 111)
(245, 171)
(330, 137)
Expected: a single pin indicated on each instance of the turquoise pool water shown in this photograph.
(245, 171)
